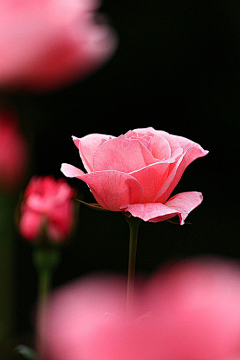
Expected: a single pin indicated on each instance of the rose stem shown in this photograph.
(45, 260)
(133, 225)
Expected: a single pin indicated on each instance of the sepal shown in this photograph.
(94, 206)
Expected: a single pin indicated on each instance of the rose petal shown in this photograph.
(144, 140)
(71, 171)
(186, 143)
(61, 220)
(189, 310)
(184, 203)
(181, 204)
(178, 169)
(83, 307)
(145, 131)
(180, 141)
(111, 189)
(160, 147)
(122, 154)
(104, 184)
(48, 44)
(30, 224)
(151, 178)
(172, 140)
(152, 212)
(87, 145)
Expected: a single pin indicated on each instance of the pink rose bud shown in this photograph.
(47, 44)
(47, 206)
(137, 172)
(187, 311)
(13, 152)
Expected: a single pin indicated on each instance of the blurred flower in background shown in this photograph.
(47, 44)
(13, 152)
(47, 209)
(189, 310)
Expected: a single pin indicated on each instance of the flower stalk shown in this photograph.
(45, 260)
(133, 225)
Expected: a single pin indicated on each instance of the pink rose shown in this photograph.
(137, 172)
(13, 152)
(47, 204)
(187, 311)
(47, 44)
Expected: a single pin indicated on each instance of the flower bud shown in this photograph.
(47, 210)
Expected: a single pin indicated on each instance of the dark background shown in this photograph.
(176, 69)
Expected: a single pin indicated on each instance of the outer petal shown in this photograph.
(111, 189)
(184, 203)
(60, 221)
(30, 224)
(122, 154)
(71, 171)
(174, 140)
(87, 145)
(152, 212)
(178, 169)
(180, 142)
(181, 204)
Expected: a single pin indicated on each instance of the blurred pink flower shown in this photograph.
(46, 44)
(48, 205)
(187, 311)
(137, 172)
(13, 152)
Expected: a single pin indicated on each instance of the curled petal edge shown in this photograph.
(71, 171)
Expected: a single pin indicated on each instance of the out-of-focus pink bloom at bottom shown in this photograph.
(187, 311)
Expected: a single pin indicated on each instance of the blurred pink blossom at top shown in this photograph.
(13, 152)
(46, 44)
(187, 311)
(47, 205)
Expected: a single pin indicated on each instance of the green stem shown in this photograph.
(44, 284)
(45, 260)
(133, 225)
